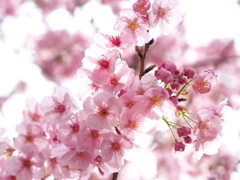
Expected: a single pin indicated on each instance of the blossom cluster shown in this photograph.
(57, 138)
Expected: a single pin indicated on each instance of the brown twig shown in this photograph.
(142, 56)
(115, 175)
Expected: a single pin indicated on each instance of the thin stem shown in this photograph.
(174, 124)
(187, 121)
(169, 128)
(179, 92)
(189, 118)
(191, 113)
(120, 56)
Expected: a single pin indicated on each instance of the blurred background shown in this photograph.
(42, 43)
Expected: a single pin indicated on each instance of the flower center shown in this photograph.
(155, 101)
(36, 117)
(132, 26)
(164, 12)
(94, 134)
(75, 128)
(115, 40)
(103, 112)
(203, 84)
(115, 146)
(59, 108)
(26, 163)
(133, 125)
(205, 126)
(102, 62)
(113, 81)
(29, 138)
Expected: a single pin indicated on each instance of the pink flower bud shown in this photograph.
(175, 86)
(170, 66)
(187, 140)
(189, 73)
(179, 146)
(182, 80)
(183, 131)
(164, 75)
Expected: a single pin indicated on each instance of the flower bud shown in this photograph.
(183, 131)
(179, 146)
(187, 140)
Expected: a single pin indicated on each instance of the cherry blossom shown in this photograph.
(34, 112)
(208, 127)
(165, 13)
(30, 134)
(204, 81)
(141, 6)
(98, 131)
(133, 29)
(27, 165)
(103, 110)
(113, 147)
(56, 109)
(155, 100)
(112, 43)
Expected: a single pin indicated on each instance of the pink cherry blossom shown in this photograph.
(60, 172)
(208, 126)
(78, 159)
(132, 123)
(133, 28)
(165, 13)
(69, 133)
(113, 147)
(27, 165)
(34, 112)
(154, 102)
(57, 108)
(30, 134)
(129, 99)
(99, 64)
(221, 110)
(123, 76)
(141, 6)
(205, 147)
(140, 86)
(103, 110)
(204, 81)
(112, 43)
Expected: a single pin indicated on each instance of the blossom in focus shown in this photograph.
(166, 14)
(113, 149)
(133, 28)
(103, 110)
(32, 135)
(57, 108)
(204, 81)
